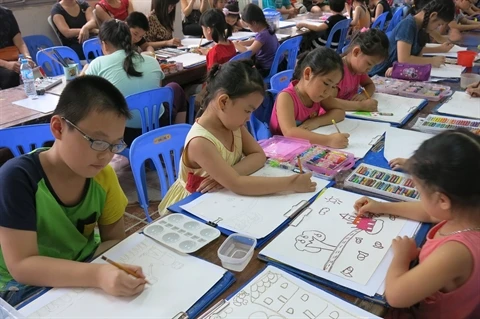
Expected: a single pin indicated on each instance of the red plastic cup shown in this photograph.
(466, 58)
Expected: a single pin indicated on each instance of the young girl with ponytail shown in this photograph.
(408, 39)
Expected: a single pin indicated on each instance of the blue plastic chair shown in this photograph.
(164, 148)
(53, 68)
(342, 27)
(379, 23)
(258, 125)
(24, 139)
(397, 17)
(36, 43)
(247, 55)
(92, 47)
(291, 47)
(280, 81)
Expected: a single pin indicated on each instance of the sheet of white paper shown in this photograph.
(461, 104)
(363, 134)
(256, 216)
(447, 71)
(276, 294)
(242, 35)
(177, 282)
(280, 37)
(397, 105)
(329, 241)
(286, 24)
(42, 103)
(451, 54)
(193, 42)
(402, 143)
(190, 59)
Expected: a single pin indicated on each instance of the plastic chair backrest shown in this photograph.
(37, 42)
(53, 68)
(163, 146)
(24, 139)
(259, 122)
(291, 47)
(397, 17)
(148, 104)
(380, 21)
(342, 27)
(92, 47)
(247, 55)
(52, 25)
(280, 81)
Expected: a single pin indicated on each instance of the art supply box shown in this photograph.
(382, 183)
(436, 124)
(423, 90)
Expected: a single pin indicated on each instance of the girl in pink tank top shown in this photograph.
(297, 110)
(446, 282)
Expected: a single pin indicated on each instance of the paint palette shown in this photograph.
(382, 182)
(436, 124)
(181, 233)
(423, 90)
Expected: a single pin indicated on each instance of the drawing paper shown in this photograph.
(397, 105)
(242, 35)
(461, 104)
(451, 54)
(281, 36)
(330, 241)
(286, 24)
(190, 59)
(177, 283)
(363, 134)
(42, 103)
(256, 216)
(447, 71)
(193, 42)
(275, 294)
(402, 143)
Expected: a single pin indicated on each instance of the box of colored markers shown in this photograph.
(422, 90)
(382, 183)
(439, 123)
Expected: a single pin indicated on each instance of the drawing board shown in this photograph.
(363, 134)
(461, 104)
(257, 216)
(402, 143)
(168, 272)
(275, 294)
(331, 241)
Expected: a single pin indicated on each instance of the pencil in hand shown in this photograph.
(299, 165)
(335, 124)
(128, 271)
(366, 93)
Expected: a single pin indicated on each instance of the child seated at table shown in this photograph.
(56, 196)
(138, 24)
(219, 152)
(232, 16)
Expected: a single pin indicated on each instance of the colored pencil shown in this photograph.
(299, 165)
(128, 271)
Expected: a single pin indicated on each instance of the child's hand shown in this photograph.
(301, 25)
(302, 183)
(367, 205)
(397, 163)
(117, 282)
(405, 248)
(389, 72)
(174, 42)
(338, 140)
(370, 105)
(446, 47)
(359, 97)
(209, 185)
(438, 61)
(474, 89)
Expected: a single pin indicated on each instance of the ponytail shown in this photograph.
(445, 10)
(321, 60)
(215, 20)
(252, 13)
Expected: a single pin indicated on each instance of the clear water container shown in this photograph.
(237, 251)
(273, 17)
(8, 312)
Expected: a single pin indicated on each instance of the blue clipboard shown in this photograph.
(394, 124)
(420, 237)
(176, 208)
(436, 111)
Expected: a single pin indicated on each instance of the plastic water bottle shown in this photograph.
(28, 79)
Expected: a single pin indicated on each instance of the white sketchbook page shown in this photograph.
(178, 282)
(280, 37)
(286, 24)
(190, 59)
(323, 241)
(256, 216)
(193, 42)
(399, 106)
(363, 134)
(275, 293)
(451, 54)
(402, 143)
(447, 71)
(242, 35)
(461, 104)
(42, 103)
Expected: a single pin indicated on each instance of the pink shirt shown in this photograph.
(348, 86)
(302, 113)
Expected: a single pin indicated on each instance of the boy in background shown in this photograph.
(138, 24)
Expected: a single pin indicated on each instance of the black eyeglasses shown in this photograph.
(99, 145)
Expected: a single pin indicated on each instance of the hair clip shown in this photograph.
(218, 70)
(364, 30)
(227, 12)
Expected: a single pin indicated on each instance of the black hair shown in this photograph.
(252, 13)
(161, 12)
(445, 10)
(372, 42)
(337, 5)
(447, 163)
(137, 20)
(117, 34)
(321, 60)
(232, 7)
(87, 94)
(215, 20)
(236, 79)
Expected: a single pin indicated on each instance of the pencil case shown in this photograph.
(421, 90)
(411, 72)
(283, 148)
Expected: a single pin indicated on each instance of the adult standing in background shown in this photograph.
(11, 45)
(160, 22)
(74, 21)
(113, 9)
(191, 12)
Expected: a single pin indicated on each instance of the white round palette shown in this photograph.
(182, 233)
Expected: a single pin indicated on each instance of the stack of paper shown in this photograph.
(190, 60)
